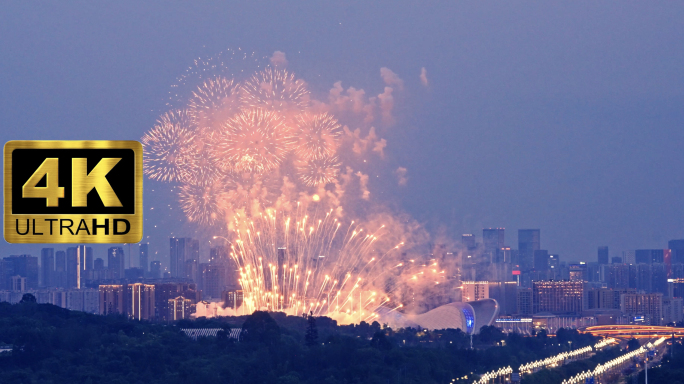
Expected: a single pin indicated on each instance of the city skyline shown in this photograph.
(204, 252)
(645, 285)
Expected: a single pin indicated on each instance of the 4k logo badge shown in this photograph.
(73, 192)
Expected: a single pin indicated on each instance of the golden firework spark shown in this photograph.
(306, 264)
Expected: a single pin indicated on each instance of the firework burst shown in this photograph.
(205, 204)
(166, 147)
(318, 171)
(275, 89)
(254, 141)
(213, 102)
(201, 167)
(318, 136)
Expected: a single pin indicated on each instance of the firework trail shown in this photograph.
(259, 157)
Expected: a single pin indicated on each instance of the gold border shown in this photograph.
(136, 219)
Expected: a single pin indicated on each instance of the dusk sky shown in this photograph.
(567, 117)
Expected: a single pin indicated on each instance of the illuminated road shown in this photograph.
(635, 331)
(614, 371)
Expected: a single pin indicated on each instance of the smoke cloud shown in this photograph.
(423, 77)
(278, 59)
(402, 179)
(391, 78)
(387, 105)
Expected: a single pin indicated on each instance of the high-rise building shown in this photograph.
(194, 249)
(232, 299)
(180, 250)
(115, 262)
(468, 240)
(541, 260)
(528, 242)
(176, 255)
(493, 241)
(84, 264)
(651, 278)
(555, 267)
(593, 272)
(155, 269)
(618, 276)
(505, 294)
(86, 258)
(603, 255)
(649, 256)
(578, 271)
(18, 284)
(474, 290)
(72, 267)
(25, 266)
(558, 297)
(99, 264)
(179, 308)
(167, 291)
(142, 301)
(524, 301)
(214, 279)
(143, 249)
(677, 247)
(192, 269)
(554, 261)
(628, 257)
(85, 300)
(60, 261)
(601, 299)
(134, 274)
(218, 255)
(60, 276)
(676, 287)
(47, 266)
(649, 305)
(672, 310)
(505, 255)
(112, 299)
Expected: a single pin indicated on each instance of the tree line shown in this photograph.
(55, 345)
